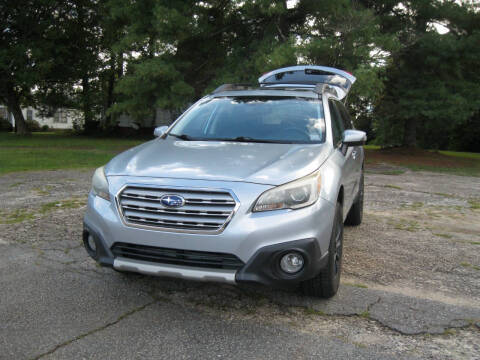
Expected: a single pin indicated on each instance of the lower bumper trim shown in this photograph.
(198, 274)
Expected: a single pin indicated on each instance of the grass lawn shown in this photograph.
(53, 151)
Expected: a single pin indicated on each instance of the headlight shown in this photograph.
(100, 184)
(294, 195)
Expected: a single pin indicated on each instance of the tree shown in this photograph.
(36, 52)
(432, 85)
(347, 35)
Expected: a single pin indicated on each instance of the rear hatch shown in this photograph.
(309, 76)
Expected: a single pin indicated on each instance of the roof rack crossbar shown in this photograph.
(233, 87)
(318, 88)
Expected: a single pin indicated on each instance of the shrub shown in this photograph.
(45, 128)
(5, 125)
(33, 125)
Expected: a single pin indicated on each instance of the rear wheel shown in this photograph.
(355, 214)
(326, 283)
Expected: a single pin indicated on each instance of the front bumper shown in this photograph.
(257, 239)
(262, 268)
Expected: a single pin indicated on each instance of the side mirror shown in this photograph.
(159, 131)
(354, 138)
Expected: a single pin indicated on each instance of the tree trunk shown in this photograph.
(410, 133)
(110, 87)
(13, 103)
(89, 126)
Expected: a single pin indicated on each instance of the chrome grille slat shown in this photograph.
(177, 212)
(157, 193)
(176, 217)
(210, 202)
(203, 211)
(155, 204)
(173, 225)
(153, 198)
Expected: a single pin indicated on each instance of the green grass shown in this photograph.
(445, 236)
(365, 314)
(462, 171)
(407, 225)
(57, 150)
(16, 216)
(463, 155)
(52, 151)
(392, 187)
(444, 195)
(387, 172)
(63, 204)
(21, 215)
(311, 311)
(14, 185)
(358, 285)
(415, 205)
(468, 265)
(66, 141)
(372, 147)
(474, 204)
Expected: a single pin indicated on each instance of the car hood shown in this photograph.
(262, 163)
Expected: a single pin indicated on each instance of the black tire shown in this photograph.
(325, 284)
(355, 215)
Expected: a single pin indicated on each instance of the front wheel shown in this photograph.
(355, 215)
(325, 284)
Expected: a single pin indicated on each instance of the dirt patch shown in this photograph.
(420, 158)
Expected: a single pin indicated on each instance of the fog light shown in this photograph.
(92, 244)
(292, 263)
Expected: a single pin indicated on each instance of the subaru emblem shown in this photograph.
(172, 200)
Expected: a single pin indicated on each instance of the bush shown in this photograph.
(5, 125)
(33, 125)
(45, 128)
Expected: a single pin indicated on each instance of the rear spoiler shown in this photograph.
(309, 76)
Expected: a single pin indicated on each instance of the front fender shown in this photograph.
(332, 179)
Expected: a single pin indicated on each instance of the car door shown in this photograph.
(356, 153)
(345, 154)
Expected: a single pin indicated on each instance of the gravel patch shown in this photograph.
(411, 281)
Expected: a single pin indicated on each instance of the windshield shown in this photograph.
(254, 119)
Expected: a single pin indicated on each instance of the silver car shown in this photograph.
(249, 185)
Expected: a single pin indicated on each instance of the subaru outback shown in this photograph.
(249, 185)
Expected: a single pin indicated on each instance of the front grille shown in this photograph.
(203, 210)
(177, 257)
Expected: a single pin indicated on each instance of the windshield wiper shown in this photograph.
(245, 139)
(182, 136)
(249, 139)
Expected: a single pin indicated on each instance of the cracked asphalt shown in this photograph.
(410, 287)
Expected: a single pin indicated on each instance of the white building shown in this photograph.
(65, 118)
(61, 119)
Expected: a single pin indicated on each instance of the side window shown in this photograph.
(347, 120)
(337, 123)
